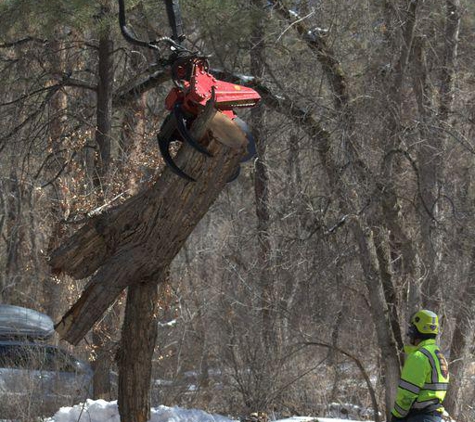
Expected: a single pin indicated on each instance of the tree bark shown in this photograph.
(433, 164)
(101, 335)
(59, 203)
(261, 188)
(105, 71)
(379, 310)
(137, 240)
(134, 357)
(462, 339)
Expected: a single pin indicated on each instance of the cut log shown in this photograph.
(85, 251)
(137, 240)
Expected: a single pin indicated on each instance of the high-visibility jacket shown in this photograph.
(424, 380)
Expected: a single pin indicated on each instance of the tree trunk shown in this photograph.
(390, 208)
(59, 202)
(379, 311)
(369, 262)
(462, 339)
(261, 189)
(359, 172)
(15, 233)
(12, 271)
(139, 330)
(102, 345)
(384, 259)
(105, 71)
(430, 164)
(134, 358)
(101, 336)
(432, 189)
(137, 240)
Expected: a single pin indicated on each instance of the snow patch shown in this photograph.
(102, 411)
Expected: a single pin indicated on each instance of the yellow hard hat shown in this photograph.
(426, 322)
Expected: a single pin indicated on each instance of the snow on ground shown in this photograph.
(103, 411)
(313, 419)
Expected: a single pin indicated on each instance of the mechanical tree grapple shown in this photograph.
(195, 87)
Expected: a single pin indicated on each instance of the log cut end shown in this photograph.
(224, 130)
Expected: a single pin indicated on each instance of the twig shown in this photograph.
(360, 367)
(416, 171)
(101, 208)
(50, 182)
(300, 19)
(23, 41)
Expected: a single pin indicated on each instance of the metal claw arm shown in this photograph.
(195, 94)
(131, 38)
(164, 138)
(127, 33)
(174, 19)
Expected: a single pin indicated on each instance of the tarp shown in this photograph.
(16, 321)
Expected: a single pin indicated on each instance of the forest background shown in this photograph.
(358, 209)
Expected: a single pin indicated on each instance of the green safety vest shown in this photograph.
(424, 380)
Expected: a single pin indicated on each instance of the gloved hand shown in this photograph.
(396, 419)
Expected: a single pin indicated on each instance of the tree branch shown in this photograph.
(281, 104)
(130, 92)
(317, 42)
(77, 83)
(23, 41)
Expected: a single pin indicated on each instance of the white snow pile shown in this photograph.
(314, 419)
(104, 411)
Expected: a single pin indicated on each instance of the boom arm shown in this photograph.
(177, 28)
(174, 19)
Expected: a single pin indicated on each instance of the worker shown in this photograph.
(425, 376)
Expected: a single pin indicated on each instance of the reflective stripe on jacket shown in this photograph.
(424, 380)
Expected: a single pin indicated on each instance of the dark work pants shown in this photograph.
(424, 418)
